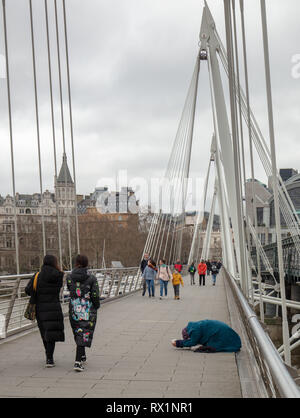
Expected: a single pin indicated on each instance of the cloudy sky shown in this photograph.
(131, 64)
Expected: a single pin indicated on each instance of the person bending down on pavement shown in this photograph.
(144, 264)
(176, 281)
(83, 306)
(209, 336)
(45, 294)
(149, 275)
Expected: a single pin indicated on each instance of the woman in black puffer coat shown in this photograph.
(84, 302)
(49, 314)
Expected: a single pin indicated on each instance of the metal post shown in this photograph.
(285, 329)
(17, 284)
(206, 244)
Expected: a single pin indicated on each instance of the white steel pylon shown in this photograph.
(228, 158)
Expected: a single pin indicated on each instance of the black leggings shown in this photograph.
(80, 352)
(49, 348)
(49, 345)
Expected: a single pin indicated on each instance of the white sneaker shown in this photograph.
(78, 367)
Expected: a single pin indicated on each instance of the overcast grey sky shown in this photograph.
(131, 64)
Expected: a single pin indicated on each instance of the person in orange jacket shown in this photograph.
(202, 272)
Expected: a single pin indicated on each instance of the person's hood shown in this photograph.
(79, 274)
(50, 273)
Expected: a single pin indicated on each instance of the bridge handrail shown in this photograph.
(113, 283)
(281, 378)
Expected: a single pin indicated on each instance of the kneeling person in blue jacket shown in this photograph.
(209, 336)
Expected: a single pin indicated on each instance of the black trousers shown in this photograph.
(201, 276)
(144, 287)
(80, 352)
(49, 345)
(49, 348)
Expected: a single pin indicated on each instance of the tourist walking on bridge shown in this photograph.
(149, 275)
(192, 271)
(164, 275)
(178, 266)
(83, 306)
(177, 281)
(144, 264)
(208, 265)
(202, 272)
(49, 314)
(215, 268)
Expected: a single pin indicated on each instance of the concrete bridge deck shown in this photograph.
(131, 354)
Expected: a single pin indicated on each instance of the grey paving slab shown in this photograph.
(131, 354)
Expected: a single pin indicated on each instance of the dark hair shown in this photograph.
(81, 260)
(163, 260)
(50, 260)
(152, 262)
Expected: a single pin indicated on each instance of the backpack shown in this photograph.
(167, 271)
(214, 268)
(192, 269)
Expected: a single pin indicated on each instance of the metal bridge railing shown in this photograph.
(277, 379)
(113, 283)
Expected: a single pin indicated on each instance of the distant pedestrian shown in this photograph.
(178, 266)
(83, 306)
(149, 275)
(144, 264)
(209, 336)
(215, 267)
(208, 265)
(177, 281)
(202, 272)
(192, 271)
(49, 314)
(164, 275)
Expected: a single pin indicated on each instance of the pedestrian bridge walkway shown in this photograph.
(131, 354)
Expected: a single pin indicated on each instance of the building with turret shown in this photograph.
(31, 211)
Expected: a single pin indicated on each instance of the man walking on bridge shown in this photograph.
(202, 272)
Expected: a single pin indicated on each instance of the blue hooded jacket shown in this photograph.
(212, 333)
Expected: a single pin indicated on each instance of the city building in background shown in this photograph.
(265, 205)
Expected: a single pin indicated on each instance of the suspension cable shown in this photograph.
(71, 124)
(254, 206)
(53, 131)
(37, 124)
(12, 159)
(63, 133)
(285, 332)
